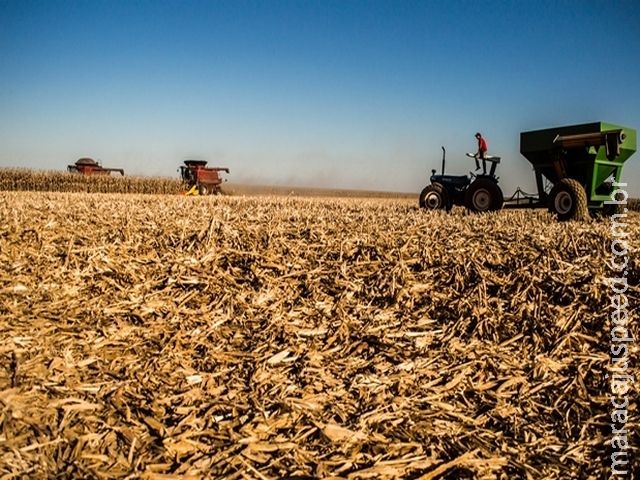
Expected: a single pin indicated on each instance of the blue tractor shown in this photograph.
(477, 192)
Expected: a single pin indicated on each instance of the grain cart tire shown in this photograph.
(609, 209)
(483, 195)
(568, 200)
(434, 197)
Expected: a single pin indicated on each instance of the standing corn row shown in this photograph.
(16, 179)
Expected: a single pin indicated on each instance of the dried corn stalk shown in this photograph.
(162, 337)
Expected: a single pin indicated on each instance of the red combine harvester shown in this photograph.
(199, 179)
(88, 166)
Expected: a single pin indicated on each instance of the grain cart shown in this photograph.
(477, 192)
(88, 166)
(575, 167)
(200, 179)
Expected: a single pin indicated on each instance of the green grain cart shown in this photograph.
(575, 167)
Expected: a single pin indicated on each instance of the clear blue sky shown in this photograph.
(356, 94)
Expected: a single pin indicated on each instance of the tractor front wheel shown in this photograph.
(434, 197)
(483, 195)
(568, 200)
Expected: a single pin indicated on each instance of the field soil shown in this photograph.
(267, 337)
(270, 190)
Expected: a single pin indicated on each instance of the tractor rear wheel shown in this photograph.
(568, 200)
(434, 197)
(483, 195)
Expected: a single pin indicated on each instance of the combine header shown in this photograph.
(575, 168)
(199, 179)
(88, 166)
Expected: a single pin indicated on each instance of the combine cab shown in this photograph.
(88, 166)
(199, 179)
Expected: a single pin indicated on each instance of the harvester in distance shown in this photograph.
(200, 179)
(88, 166)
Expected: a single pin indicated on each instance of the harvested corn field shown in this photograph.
(268, 337)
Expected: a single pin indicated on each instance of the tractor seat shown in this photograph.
(489, 158)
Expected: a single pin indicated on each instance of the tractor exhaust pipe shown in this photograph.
(443, 155)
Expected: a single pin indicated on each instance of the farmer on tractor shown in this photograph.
(481, 154)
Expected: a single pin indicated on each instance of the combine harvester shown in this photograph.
(575, 168)
(88, 166)
(199, 179)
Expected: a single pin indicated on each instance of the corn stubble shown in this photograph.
(269, 337)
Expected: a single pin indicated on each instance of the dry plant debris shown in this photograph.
(147, 336)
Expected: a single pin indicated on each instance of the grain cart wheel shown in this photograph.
(609, 209)
(568, 200)
(483, 195)
(434, 197)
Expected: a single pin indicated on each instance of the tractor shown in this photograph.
(88, 166)
(478, 192)
(576, 169)
(200, 179)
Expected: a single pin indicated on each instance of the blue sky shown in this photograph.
(345, 94)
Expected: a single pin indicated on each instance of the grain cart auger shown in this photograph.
(575, 167)
(200, 179)
(479, 193)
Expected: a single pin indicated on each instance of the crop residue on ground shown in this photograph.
(266, 337)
